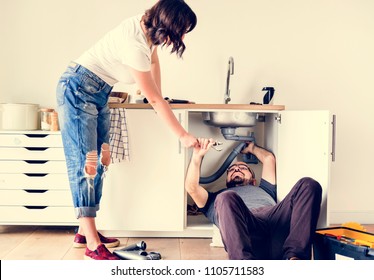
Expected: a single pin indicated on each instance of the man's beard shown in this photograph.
(234, 182)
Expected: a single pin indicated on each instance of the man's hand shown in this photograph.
(249, 148)
(202, 147)
(266, 158)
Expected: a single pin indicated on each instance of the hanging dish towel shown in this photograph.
(119, 139)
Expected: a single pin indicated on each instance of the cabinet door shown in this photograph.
(147, 192)
(304, 150)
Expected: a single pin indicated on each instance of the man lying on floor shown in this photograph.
(251, 222)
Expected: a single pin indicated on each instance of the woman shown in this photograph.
(126, 54)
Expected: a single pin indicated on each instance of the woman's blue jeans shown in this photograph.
(84, 118)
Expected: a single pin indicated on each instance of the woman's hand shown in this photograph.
(188, 140)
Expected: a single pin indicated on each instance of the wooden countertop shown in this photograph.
(204, 106)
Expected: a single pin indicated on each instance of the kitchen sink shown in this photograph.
(230, 119)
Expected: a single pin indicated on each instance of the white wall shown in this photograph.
(317, 54)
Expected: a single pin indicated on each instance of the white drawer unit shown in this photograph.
(34, 186)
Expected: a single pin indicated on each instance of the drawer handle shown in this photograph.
(35, 207)
(36, 174)
(36, 135)
(36, 161)
(35, 148)
(35, 191)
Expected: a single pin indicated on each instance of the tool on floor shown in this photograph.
(136, 252)
(137, 246)
(137, 255)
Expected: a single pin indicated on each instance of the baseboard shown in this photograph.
(339, 217)
(216, 238)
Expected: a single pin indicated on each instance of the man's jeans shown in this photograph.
(84, 119)
(282, 231)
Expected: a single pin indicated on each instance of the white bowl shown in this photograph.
(19, 116)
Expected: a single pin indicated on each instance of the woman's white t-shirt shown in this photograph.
(123, 47)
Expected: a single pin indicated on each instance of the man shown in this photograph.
(252, 224)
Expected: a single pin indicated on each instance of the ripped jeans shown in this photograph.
(84, 118)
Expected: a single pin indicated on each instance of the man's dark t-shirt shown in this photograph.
(253, 197)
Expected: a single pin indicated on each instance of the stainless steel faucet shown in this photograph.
(230, 71)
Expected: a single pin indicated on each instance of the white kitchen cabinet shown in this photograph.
(34, 186)
(303, 145)
(146, 194)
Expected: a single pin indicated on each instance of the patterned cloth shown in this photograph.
(119, 139)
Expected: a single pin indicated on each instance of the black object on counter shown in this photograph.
(172, 101)
(268, 95)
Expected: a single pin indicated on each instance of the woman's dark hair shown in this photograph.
(166, 23)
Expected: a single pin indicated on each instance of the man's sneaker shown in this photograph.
(80, 241)
(101, 253)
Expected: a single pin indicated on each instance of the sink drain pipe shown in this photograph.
(224, 166)
(229, 134)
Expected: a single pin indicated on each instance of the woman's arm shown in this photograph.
(156, 70)
(151, 91)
